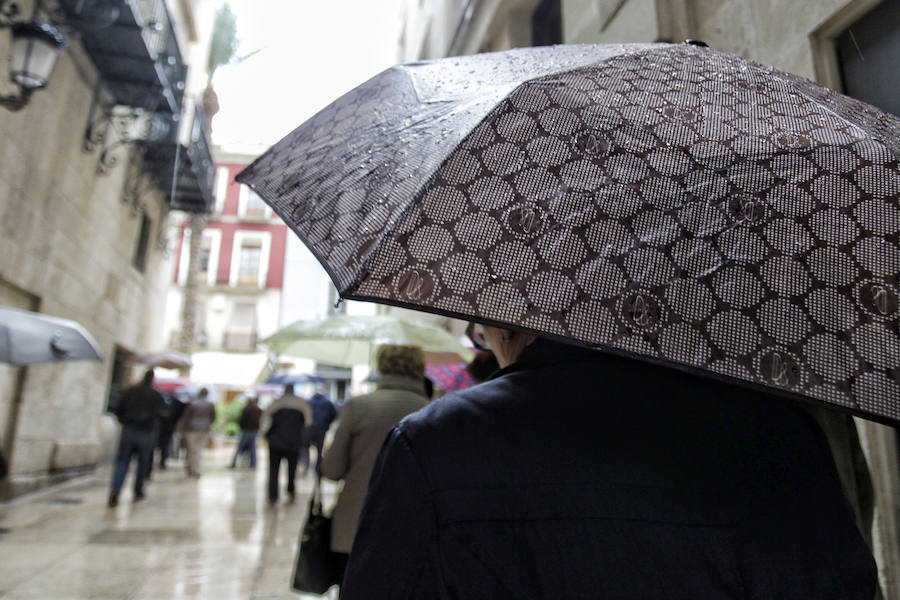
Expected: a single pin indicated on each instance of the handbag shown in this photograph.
(315, 569)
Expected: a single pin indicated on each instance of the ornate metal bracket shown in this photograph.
(16, 102)
(111, 127)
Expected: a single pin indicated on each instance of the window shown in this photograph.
(251, 206)
(140, 252)
(250, 258)
(241, 331)
(223, 176)
(248, 262)
(209, 256)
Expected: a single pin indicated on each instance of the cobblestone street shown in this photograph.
(209, 538)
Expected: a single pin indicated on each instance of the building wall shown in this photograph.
(68, 241)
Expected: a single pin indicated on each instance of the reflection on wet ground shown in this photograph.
(209, 538)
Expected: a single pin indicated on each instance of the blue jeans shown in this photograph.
(246, 443)
(133, 442)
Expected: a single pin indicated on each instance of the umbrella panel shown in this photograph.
(673, 203)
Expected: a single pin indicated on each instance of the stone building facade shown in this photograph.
(92, 242)
(849, 45)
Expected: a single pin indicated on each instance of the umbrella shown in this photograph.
(166, 384)
(293, 378)
(28, 337)
(665, 201)
(166, 360)
(350, 340)
(449, 377)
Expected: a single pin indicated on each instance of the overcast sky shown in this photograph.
(311, 52)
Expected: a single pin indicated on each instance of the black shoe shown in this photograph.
(290, 497)
(138, 497)
(113, 500)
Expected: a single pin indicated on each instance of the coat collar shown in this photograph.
(543, 352)
(400, 382)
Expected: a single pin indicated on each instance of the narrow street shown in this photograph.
(209, 538)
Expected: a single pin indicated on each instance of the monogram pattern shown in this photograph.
(668, 201)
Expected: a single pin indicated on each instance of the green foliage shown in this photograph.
(227, 416)
(224, 44)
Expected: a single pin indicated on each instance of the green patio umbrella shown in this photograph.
(348, 340)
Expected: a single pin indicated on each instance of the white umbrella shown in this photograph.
(27, 337)
(166, 360)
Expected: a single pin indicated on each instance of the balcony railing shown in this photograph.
(189, 167)
(138, 57)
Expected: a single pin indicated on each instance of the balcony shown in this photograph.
(138, 57)
(190, 167)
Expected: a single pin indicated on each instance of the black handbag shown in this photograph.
(315, 569)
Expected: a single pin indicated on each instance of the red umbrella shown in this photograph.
(164, 384)
(449, 377)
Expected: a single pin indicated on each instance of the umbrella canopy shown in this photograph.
(165, 384)
(449, 377)
(27, 337)
(166, 360)
(293, 378)
(346, 340)
(668, 202)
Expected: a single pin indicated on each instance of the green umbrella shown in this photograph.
(351, 340)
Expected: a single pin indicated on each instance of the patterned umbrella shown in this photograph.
(449, 377)
(669, 202)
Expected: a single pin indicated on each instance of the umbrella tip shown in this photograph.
(699, 43)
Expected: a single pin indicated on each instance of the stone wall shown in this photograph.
(68, 241)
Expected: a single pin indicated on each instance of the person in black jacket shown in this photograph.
(283, 422)
(137, 411)
(573, 473)
(249, 424)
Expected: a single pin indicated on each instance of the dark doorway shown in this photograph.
(118, 375)
(869, 57)
(546, 24)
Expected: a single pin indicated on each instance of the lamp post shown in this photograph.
(34, 50)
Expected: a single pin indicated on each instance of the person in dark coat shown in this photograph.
(137, 411)
(283, 421)
(573, 473)
(324, 414)
(249, 424)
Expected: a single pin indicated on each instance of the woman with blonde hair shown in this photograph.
(364, 423)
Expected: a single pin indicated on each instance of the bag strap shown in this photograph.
(315, 501)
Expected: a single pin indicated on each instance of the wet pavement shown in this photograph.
(214, 537)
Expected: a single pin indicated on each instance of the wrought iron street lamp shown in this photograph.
(34, 50)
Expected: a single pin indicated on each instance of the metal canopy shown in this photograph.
(137, 56)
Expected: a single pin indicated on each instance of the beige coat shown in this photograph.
(364, 424)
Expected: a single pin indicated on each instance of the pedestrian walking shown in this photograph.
(283, 422)
(196, 423)
(324, 414)
(364, 423)
(137, 411)
(249, 424)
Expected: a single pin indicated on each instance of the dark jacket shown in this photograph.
(323, 409)
(283, 422)
(574, 474)
(249, 419)
(139, 407)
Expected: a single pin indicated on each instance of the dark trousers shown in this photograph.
(312, 436)
(246, 444)
(133, 442)
(275, 457)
